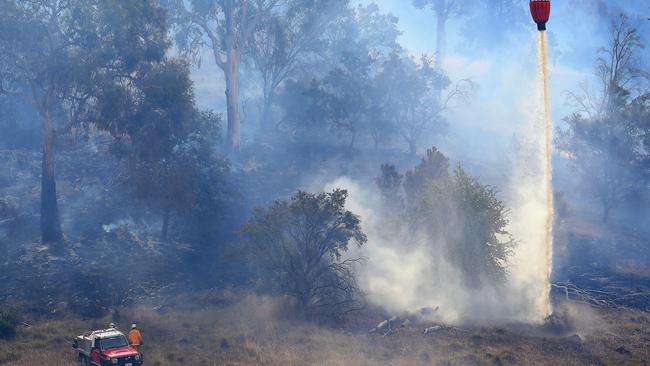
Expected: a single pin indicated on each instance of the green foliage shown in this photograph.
(70, 59)
(410, 93)
(288, 41)
(152, 108)
(341, 97)
(461, 213)
(603, 152)
(606, 137)
(360, 86)
(171, 162)
(470, 218)
(345, 96)
(434, 166)
(296, 248)
(86, 46)
(199, 23)
(390, 184)
(102, 65)
(167, 148)
(366, 96)
(226, 28)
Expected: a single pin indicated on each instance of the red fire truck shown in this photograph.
(106, 347)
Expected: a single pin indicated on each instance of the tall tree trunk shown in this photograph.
(232, 98)
(50, 220)
(165, 225)
(266, 119)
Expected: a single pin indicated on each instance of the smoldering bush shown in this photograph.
(473, 221)
(456, 209)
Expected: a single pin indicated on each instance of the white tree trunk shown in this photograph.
(231, 73)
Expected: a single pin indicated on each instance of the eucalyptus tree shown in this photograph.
(444, 10)
(64, 55)
(289, 42)
(225, 27)
(606, 133)
(340, 93)
(411, 89)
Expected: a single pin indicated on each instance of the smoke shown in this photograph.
(404, 271)
(122, 224)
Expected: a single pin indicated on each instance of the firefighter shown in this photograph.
(135, 337)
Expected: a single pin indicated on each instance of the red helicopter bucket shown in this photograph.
(541, 11)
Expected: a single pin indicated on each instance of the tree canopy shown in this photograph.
(605, 136)
(297, 247)
(464, 220)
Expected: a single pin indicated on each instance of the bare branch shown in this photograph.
(463, 91)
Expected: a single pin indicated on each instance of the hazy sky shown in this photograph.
(504, 72)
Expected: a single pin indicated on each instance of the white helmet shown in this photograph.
(111, 325)
(133, 326)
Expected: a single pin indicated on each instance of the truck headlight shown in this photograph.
(114, 361)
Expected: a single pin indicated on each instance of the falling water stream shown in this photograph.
(548, 172)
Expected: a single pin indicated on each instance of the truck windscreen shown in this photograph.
(113, 342)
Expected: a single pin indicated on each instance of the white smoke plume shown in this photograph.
(405, 272)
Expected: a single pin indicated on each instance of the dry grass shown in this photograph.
(256, 331)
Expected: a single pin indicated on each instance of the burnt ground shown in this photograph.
(603, 266)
